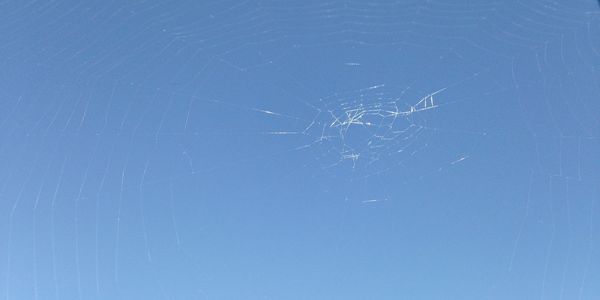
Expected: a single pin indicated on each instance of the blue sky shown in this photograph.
(299, 150)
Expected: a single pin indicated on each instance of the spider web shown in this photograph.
(155, 150)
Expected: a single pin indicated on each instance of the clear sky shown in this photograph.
(435, 149)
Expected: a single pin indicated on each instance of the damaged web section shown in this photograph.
(364, 125)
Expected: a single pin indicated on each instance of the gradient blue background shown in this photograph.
(138, 158)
